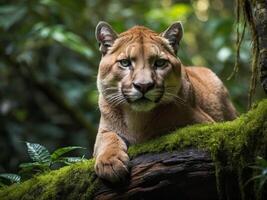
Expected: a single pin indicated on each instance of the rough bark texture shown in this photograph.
(175, 166)
(184, 174)
(260, 18)
(255, 14)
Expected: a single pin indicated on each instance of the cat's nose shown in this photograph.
(143, 87)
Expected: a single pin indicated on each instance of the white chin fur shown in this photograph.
(143, 107)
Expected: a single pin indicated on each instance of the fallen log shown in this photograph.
(184, 174)
(207, 161)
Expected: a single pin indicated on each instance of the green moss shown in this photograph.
(72, 182)
(233, 145)
(231, 136)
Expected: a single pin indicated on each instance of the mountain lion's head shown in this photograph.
(139, 68)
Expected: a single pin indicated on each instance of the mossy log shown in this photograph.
(184, 174)
(208, 161)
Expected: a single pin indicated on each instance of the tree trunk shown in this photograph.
(255, 12)
(260, 18)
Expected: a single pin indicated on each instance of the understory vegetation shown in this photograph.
(42, 161)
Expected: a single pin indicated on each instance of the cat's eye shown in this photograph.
(125, 63)
(160, 63)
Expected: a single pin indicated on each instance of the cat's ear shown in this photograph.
(105, 36)
(174, 34)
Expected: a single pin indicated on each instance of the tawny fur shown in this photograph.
(202, 97)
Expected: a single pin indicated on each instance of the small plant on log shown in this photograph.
(42, 161)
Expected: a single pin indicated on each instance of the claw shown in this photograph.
(113, 168)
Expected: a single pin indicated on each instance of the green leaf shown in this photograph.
(10, 14)
(13, 178)
(59, 152)
(38, 153)
(65, 38)
(33, 165)
(262, 183)
(71, 160)
(261, 162)
(33, 168)
(261, 167)
(169, 14)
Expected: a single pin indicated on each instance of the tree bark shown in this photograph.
(260, 18)
(170, 175)
(255, 12)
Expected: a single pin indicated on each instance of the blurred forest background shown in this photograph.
(49, 62)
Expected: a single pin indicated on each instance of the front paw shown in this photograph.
(112, 166)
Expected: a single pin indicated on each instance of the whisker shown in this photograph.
(175, 97)
(115, 99)
(109, 89)
(175, 86)
(119, 101)
(110, 96)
